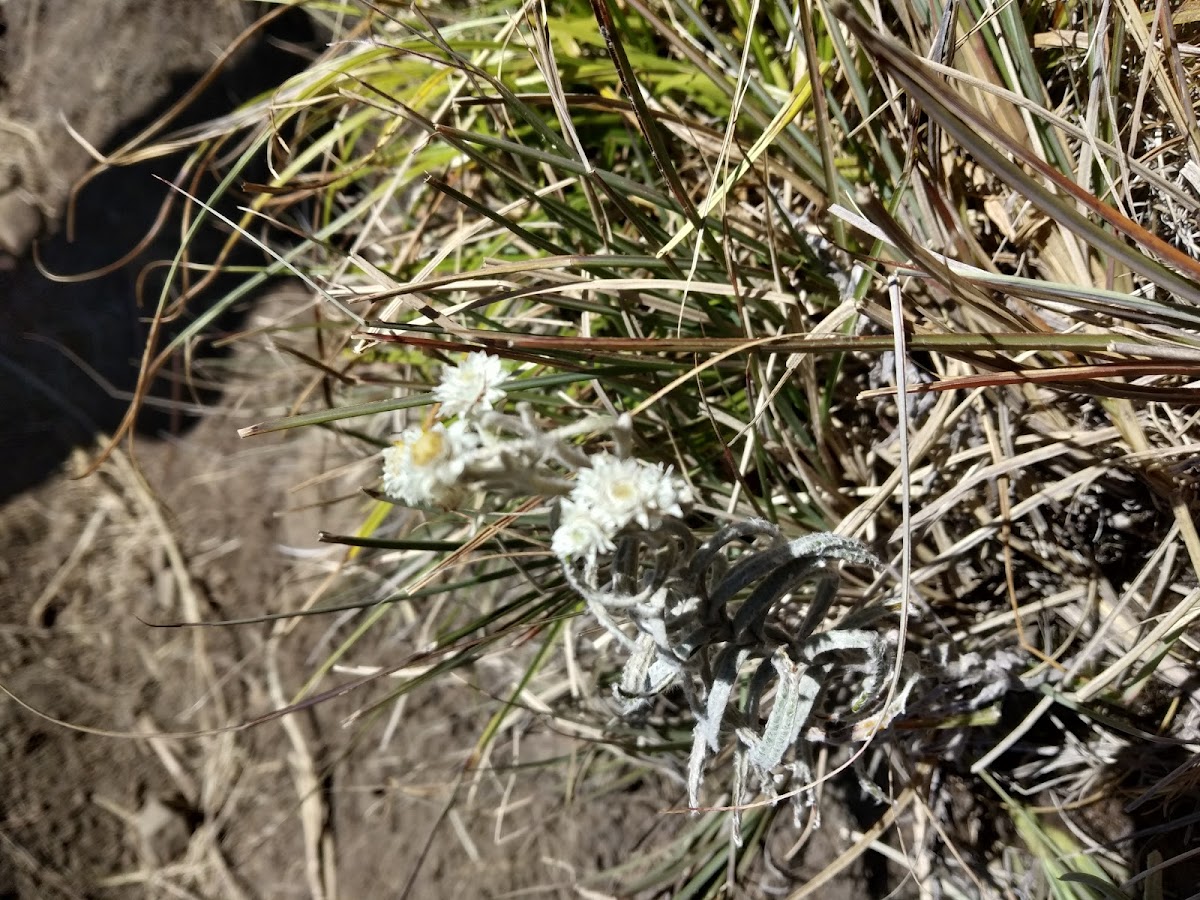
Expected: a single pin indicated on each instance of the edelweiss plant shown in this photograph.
(716, 618)
(713, 617)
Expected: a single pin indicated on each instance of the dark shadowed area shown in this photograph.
(71, 344)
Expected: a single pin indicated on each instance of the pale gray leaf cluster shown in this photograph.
(739, 624)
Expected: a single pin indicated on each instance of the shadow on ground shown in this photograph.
(70, 350)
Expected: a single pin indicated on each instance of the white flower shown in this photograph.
(620, 491)
(471, 387)
(665, 492)
(580, 534)
(613, 489)
(425, 463)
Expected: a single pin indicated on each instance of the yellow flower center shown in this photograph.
(622, 491)
(427, 448)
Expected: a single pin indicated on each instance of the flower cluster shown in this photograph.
(475, 446)
(610, 495)
(426, 465)
(472, 387)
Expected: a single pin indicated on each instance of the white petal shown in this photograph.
(471, 387)
(580, 534)
(425, 464)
